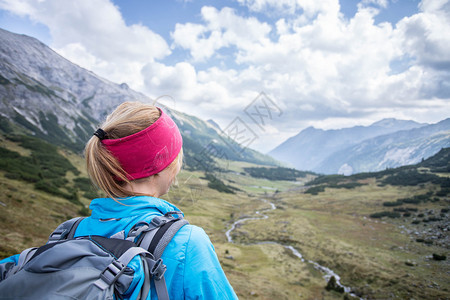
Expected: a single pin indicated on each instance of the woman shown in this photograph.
(134, 158)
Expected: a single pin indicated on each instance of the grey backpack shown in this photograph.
(91, 267)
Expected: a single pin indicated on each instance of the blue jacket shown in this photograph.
(193, 269)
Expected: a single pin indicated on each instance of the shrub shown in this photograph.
(85, 185)
(405, 209)
(411, 200)
(278, 173)
(443, 192)
(333, 286)
(348, 185)
(389, 214)
(217, 184)
(395, 203)
(411, 177)
(328, 179)
(439, 257)
(47, 186)
(315, 190)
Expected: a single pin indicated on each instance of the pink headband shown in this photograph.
(149, 151)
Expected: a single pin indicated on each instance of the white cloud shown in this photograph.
(321, 69)
(425, 37)
(221, 29)
(20, 8)
(179, 81)
(329, 57)
(189, 36)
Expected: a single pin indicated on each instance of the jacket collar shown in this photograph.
(103, 208)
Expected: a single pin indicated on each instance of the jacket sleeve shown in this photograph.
(203, 275)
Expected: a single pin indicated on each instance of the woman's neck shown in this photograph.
(155, 185)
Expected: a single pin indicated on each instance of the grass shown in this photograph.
(6, 143)
(28, 216)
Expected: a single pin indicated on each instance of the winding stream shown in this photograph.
(328, 272)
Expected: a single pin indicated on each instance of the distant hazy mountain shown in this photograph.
(47, 96)
(400, 148)
(309, 149)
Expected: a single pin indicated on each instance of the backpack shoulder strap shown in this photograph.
(162, 230)
(160, 239)
(156, 240)
(164, 235)
(65, 230)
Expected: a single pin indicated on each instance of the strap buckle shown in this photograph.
(158, 221)
(58, 235)
(158, 269)
(112, 272)
(136, 230)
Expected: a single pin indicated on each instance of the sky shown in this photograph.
(273, 66)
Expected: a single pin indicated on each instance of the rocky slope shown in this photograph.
(49, 97)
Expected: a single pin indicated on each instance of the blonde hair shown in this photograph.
(103, 168)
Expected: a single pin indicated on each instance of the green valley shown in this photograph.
(376, 258)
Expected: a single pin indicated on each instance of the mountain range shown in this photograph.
(384, 144)
(44, 95)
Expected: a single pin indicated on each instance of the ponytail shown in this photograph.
(103, 169)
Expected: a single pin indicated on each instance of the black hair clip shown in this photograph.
(101, 134)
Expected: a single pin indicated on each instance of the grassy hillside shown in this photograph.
(379, 258)
(40, 186)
